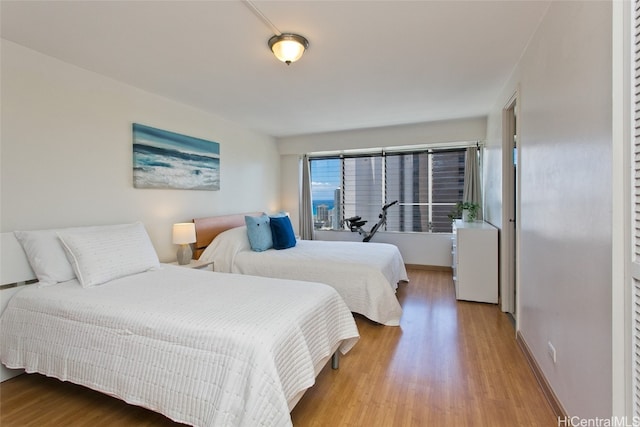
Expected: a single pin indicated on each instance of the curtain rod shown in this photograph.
(397, 149)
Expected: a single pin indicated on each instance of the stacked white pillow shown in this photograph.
(46, 256)
(94, 255)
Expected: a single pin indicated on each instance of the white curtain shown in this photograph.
(306, 208)
(472, 190)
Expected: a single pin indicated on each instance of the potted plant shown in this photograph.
(467, 211)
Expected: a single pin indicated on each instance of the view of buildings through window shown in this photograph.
(427, 185)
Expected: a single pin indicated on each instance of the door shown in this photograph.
(510, 158)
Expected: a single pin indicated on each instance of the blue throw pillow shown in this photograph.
(282, 232)
(259, 232)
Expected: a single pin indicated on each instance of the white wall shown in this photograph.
(469, 129)
(416, 248)
(564, 296)
(66, 153)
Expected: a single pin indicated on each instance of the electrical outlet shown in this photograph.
(551, 350)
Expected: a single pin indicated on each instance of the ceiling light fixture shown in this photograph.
(287, 47)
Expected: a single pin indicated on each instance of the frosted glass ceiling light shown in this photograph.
(288, 47)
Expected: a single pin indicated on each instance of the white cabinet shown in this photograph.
(475, 261)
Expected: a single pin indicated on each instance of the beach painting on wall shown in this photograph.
(163, 159)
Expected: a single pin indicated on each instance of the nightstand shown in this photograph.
(197, 264)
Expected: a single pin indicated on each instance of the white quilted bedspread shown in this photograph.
(202, 348)
(366, 275)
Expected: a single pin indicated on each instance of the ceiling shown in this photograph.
(369, 63)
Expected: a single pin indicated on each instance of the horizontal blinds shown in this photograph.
(448, 176)
(363, 187)
(636, 349)
(448, 186)
(636, 47)
(408, 182)
(426, 183)
(636, 215)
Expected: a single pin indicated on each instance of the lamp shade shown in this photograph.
(184, 233)
(288, 48)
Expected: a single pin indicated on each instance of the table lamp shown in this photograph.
(184, 234)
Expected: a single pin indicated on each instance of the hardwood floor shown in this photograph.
(449, 363)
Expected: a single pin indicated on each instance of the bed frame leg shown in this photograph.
(335, 361)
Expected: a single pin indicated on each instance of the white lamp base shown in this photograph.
(184, 254)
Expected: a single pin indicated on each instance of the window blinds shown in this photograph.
(426, 183)
(362, 179)
(636, 214)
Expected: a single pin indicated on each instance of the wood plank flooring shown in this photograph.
(449, 363)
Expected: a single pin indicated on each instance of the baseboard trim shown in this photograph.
(552, 399)
(429, 267)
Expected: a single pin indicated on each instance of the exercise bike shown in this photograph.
(355, 223)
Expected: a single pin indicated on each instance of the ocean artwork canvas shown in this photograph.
(163, 159)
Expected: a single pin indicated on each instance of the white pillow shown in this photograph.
(222, 251)
(100, 255)
(47, 256)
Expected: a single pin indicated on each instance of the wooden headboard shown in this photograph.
(208, 228)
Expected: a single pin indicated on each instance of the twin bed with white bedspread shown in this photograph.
(366, 275)
(199, 347)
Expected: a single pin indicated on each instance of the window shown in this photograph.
(326, 182)
(362, 181)
(427, 184)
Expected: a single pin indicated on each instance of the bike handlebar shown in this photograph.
(388, 205)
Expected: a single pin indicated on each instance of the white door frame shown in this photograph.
(625, 268)
(509, 254)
